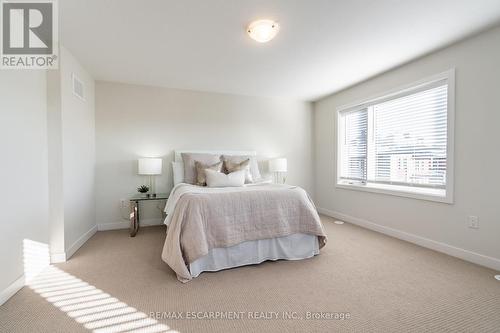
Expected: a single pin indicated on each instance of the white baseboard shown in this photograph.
(126, 224)
(11, 289)
(113, 226)
(151, 222)
(80, 241)
(463, 254)
(57, 257)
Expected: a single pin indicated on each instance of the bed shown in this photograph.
(211, 228)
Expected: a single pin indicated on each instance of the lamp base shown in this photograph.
(279, 177)
(152, 186)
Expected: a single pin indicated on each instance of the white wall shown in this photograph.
(477, 161)
(47, 169)
(78, 147)
(56, 190)
(134, 121)
(23, 168)
(71, 124)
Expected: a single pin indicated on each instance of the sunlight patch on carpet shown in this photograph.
(96, 310)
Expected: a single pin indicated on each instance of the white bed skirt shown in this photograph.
(293, 247)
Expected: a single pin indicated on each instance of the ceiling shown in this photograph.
(323, 45)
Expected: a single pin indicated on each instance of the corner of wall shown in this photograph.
(71, 121)
(11, 290)
(313, 150)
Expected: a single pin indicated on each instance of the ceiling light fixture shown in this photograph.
(263, 31)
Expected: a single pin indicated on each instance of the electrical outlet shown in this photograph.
(473, 222)
(122, 203)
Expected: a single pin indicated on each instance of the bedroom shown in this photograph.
(358, 123)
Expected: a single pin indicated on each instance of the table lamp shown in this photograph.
(278, 167)
(150, 167)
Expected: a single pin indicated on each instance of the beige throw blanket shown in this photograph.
(200, 219)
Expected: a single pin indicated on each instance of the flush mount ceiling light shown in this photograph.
(263, 31)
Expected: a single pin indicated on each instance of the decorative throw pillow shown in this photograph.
(200, 171)
(254, 166)
(231, 166)
(219, 179)
(189, 167)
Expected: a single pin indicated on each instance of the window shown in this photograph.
(400, 143)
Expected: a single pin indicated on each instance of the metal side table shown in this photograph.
(135, 211)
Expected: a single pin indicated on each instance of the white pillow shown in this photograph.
(178, 171)
(219, 179)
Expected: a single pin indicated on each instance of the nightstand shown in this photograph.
(135, 209)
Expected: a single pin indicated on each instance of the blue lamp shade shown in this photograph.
(150, 166)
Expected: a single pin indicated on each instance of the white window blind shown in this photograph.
(399, 140)
(355, 145)
(410, 139)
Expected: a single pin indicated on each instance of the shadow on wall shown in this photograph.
(91, 307)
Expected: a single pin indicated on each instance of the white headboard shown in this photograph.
(178, 153)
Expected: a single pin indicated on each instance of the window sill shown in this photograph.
(429, 194)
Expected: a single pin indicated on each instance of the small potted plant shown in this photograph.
(143, 189)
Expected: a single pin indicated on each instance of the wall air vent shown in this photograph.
(78, 87)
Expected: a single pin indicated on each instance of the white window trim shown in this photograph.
(421, 193)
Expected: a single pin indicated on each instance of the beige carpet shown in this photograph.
(385, 285)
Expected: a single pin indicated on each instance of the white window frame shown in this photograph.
(431, 194)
